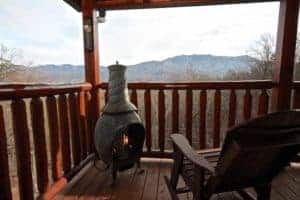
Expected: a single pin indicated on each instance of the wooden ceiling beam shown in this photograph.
(141, 4)
(76, 4)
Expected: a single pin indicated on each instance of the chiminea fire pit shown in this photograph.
(119, 134)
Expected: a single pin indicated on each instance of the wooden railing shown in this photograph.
(45, 131)
(195, 109)
(296, 95)
(45, 120)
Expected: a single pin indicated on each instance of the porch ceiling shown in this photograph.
(140, 4)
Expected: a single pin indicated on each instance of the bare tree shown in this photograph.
(9, 57)
(264, 52)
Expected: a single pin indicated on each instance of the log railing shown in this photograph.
(49, 130)
(49, 126)
(296, 95)
(202, 111)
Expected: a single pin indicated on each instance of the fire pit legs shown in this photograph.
(114, 172)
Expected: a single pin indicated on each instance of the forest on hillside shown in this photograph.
(259, 68)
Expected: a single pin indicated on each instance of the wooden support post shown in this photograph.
(91, 55)
(285, 54)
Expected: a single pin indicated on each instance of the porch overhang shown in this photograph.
(141, 4)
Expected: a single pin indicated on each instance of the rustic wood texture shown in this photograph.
(121, 4)
(189, 114)
(161, 120)
(263, 103)
(5, 189)
(22, 145)
(91, 60)
(75, 131)
(150, 185)
(296, 99)
(217, 116)
(40, 148)
(55, 149)
(83, 124)
(134, 98)
(285, 54)
(143, 4)
(148, 126)
(207, 85)
(175, 111)
(90, 124)
(247, 104)
(37, 90)
(64, 132)
(232, 109)
(202, 127)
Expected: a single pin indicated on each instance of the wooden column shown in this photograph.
(91, 55)
(285, 54)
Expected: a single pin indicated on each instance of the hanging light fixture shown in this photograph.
(101, 16)
(88, 33)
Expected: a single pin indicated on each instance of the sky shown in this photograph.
(49, 31)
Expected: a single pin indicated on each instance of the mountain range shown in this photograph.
(165, 70)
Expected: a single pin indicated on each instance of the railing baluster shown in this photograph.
(133, 97)
(296, 98)
(56, 154)
(64, 132)
(263, 103)
(202, 126)
(5, 189)
(22, 145)
(175, 111)
(217, 112)
(82, 124)
(189, 114)
(161, 119)
(89, 128)
(148, 125)
(38, 129)
(247, 104)
(74, 118)
(232, 109)
(106, 95)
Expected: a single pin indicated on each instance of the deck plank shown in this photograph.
(150, 185)
(151, 181)
(165, 166)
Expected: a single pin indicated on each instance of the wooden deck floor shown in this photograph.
(92, 184)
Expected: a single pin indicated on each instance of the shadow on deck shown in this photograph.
(93, 184)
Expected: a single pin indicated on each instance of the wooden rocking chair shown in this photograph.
(253, 153)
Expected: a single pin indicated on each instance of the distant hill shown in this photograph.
(214, 66)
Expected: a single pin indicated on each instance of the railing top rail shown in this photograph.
(39, 90)
(221, 85)
(296, 85)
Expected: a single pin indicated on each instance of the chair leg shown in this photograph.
(171, 189)
(263, 192)
(177, 165)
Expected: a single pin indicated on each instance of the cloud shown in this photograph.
(139, 35)
(50, 31)
(47, 31)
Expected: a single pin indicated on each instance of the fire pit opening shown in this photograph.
(127, 146)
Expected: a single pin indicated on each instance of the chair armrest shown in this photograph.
(183, 145)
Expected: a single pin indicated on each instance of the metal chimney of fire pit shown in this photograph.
(117, 91)
(119, 134)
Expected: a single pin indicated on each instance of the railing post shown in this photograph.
(285, 54)
(91, 55)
